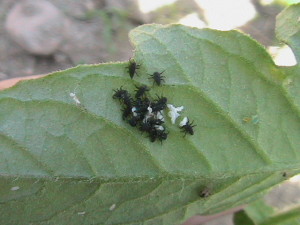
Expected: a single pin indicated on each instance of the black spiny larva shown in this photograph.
(132, 67)
(128, 101)
(155, 121)
(120, 93)
(141, 105)
(162, 135)
(157, 77)
(141, 91)
(134, 121)
(158, 134)
(159, 104)
(187, 127)
(123, 96)
(145, 126)
(126, 112)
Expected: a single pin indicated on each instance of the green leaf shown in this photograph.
(259, 211)
(68, 163)
(288, 28)
(262, 214)
(289, 217)
(241, 218)
(287, 2)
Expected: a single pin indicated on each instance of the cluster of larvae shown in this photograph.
(147, 114)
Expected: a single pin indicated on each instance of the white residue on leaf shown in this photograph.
(15, 188)
(183, 122)
(113, 206)
(81, 213)
(173, 112)
(76, 100)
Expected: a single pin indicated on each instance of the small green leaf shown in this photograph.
(262, 214)
(68, 163)
(288, 217)
(259, 211)
(241, 218)
(288, 28)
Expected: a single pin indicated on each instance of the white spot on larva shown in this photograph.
(173, 112)
(15, 188)
(149, 109)
(183, 122)
(148, 115)
(81, 213)
(76, 100)
(160, 115)
(133, 111)
(113, 206)
(158, 127)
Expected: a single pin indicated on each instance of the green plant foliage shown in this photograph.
(68, 163)
(260, 213)
(285, 3)
(241, 218)
(288, 28)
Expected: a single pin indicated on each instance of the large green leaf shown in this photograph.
(63, 163)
